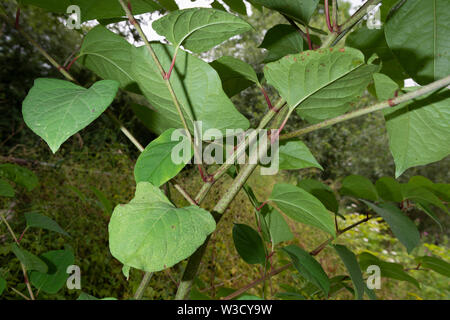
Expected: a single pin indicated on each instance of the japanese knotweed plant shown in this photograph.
(315, 74)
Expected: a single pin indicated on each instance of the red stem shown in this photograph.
(309, 39)
(72, 62)
(167, 75)
(261, 206)
(327, 16)
(21, 236)
(17, 18)
(269, 103)
(277, 134)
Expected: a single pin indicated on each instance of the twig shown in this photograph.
(185, 194)
(144, 282)
(376, 107)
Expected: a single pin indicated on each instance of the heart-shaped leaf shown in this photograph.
(156, 165)
(199, 29)
(418, 130)
(151, 234)
(196, 85)
(321, 83)
(303, 207)
(57, 109)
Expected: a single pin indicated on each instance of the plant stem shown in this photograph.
(125, 131)
(353, 20)
(24, 270)
(163, 73)
(290, 264)
(185, 194)
(193, 264)
(376, 107)
(140, 290)
(335, 16)
(327, 17)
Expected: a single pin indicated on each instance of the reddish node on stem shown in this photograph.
(391, 103)
(205, 177)
(21, 236)
(71, 63)
(261, 206)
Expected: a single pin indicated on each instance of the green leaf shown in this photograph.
(435, 264)
(388, 269)
(36, 220)
(403, 228)
(29, 260)
(53, 280)
(372, 41)
(155, 163)
(425, 207)
(278, 228)
(418, 130)
(2, 285)
(308, 267)
(281, 40)
(85, 296)
(126, 271)
(298, 10)
(170, 5)
(418, 33)
(236, 6)
(19, 175)
(249, 244)
(442, 190)
(196, 85)
(322, 192)
(151, 234)
(104, 9)
(389, 189)
(385, 87)
(217, 5)
(57, 6)
(421, 194)
(236, 75)
(353, 269)
(108, 55)
(303, 207)
(320, 84)
(199, 29)
(6, 190)
(296, 155)
(359, 187)
(57, 109)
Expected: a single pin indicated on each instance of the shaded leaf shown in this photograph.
(36, 220)
(236, 75)
(435, 264)
(281, 40)
(249, 244)
(308, 267)
(298, 10)
(403, 228)
(385, 87)
(389, 189)
(55, 278)
(19, 175)
(278, 228)
(422, 46)
(359, 187)
(353, 269)
(322, 192)
(29, 260)
(6, 190)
